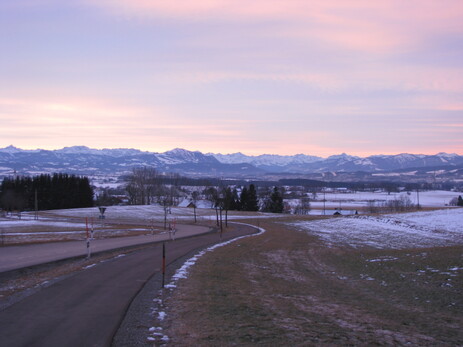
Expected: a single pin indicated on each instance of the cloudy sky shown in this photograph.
(260, 76)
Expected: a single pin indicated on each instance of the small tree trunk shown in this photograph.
(165, 217)
(221, 225)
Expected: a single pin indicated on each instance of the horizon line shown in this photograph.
(238, 152)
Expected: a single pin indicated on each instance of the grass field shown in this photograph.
(288, 287)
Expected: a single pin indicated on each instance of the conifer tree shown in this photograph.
(253, 202)
(53, 192)
(274, 202)
(244, 198)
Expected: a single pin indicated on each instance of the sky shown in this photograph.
(264, 76)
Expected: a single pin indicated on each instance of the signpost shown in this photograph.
(102, 211)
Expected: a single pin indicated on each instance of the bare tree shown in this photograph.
(142, 186)
(194, 200)
(303, 208)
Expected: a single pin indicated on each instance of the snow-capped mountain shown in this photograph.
(117, 152)
(341, 163)
(267, 161)
(12, 149)
(88, 161)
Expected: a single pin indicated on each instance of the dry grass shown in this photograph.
(285, 287)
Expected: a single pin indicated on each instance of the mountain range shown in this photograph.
(88, 161)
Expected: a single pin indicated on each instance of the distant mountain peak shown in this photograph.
(85, 160)
(180, 151)
(76, 149)
(10, 149)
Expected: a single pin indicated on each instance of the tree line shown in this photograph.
(46, 192)
(457, 201)
(146, 186)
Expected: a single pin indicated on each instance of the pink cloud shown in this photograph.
(370, 26)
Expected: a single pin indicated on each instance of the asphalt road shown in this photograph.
(87, 308)
(16, 257)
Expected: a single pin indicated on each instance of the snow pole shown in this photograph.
(86, 227)
(91, 230)
(163, 263)
(174, 228)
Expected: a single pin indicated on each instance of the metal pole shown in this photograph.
(163, 263)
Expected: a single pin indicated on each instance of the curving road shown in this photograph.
(86, 309)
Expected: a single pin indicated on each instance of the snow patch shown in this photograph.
(182, 272)
(400, 231)
(161, 315)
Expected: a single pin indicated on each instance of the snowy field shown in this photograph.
(434, 198)
(119, 220)
(156, 213)
(393, 231)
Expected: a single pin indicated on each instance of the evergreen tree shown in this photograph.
(244, 198)
(53, 192)
(253, 202)
(460, 201)
(274, 202)
(235, 203)
(248, 199)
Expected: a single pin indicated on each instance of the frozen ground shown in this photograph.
(155, 212)
(435, 198)
(397, 231)
(71, 224)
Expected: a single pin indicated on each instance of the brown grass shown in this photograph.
(286, 288)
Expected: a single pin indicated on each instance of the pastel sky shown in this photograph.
(261, 76)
